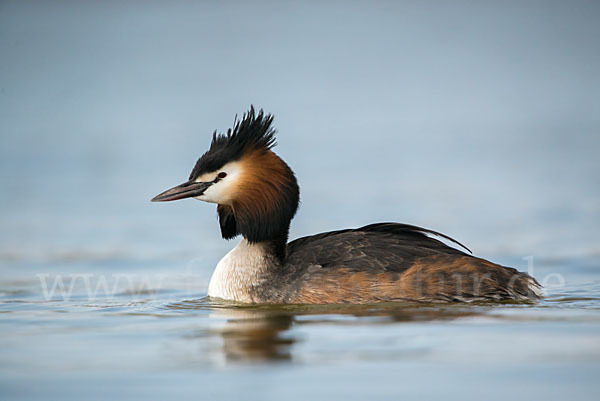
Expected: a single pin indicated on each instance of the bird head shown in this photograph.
(256, 191)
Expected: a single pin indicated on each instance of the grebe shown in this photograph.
(257, 196)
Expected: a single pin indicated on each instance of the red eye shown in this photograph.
(222, 174)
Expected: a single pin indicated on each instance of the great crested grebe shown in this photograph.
(257, 197)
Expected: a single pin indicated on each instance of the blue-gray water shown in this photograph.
(477, 119)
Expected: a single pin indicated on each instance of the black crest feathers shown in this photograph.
(253, 132)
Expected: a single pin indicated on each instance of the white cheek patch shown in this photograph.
(216, 193)
(222, 190)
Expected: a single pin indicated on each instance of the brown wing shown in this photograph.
(391, 262)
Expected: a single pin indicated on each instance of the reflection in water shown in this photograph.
(250, 335)
(256, 336)
(263, 333)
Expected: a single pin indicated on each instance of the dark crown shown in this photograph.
(253, 132)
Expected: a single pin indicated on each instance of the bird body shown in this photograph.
(258, 195)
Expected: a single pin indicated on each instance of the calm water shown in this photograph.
(476, 119)
(146, 333)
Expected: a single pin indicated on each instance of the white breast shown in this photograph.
(243, 268)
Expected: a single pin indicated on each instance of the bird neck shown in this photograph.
(245, 273)
(266, 202)
(269, 231)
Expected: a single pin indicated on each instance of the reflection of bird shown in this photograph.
(257, 196)
(252, 336)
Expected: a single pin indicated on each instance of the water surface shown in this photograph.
(155, 336)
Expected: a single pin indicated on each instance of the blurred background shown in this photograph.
(477, 119)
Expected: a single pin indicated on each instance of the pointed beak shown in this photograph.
(186, 190)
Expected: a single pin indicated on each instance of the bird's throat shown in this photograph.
(244, 272)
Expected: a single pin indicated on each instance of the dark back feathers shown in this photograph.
(405, 231)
